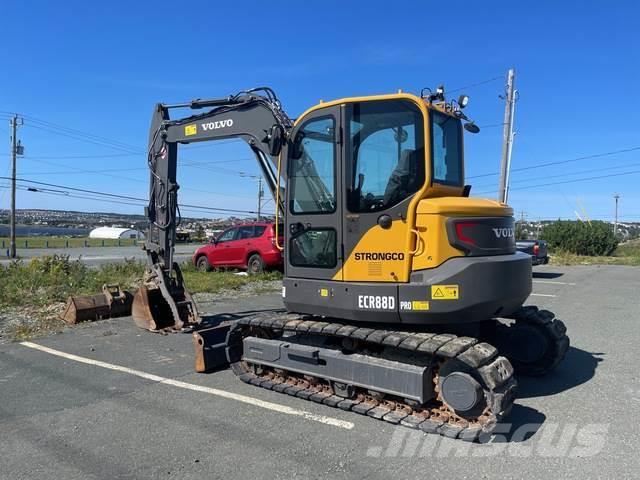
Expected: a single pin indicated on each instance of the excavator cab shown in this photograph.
(356, 166)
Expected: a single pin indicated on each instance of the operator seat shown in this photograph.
(404, 180)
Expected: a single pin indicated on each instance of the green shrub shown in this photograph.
(48, 279)
(593, 239)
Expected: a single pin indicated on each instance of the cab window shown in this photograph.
(386, 162)
(312, 168)
(446, 149)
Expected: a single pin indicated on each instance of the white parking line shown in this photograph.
(542, 295)
(551, 282)
(276, 407)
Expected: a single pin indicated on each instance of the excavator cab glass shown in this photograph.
(385, 154)
(446, 149)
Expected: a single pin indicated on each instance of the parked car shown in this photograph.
(250, 247)
(536, 248)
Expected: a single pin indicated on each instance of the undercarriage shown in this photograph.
(456, 386)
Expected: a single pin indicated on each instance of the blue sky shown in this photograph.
(99, 67)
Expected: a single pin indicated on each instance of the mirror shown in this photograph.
(471, 127)
(274, 139)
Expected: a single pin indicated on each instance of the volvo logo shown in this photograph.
(503, 232)
(217, 124)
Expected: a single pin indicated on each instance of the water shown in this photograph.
(43, 231)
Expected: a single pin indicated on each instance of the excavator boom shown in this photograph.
(255, 116)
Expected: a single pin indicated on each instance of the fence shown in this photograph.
(56, 242)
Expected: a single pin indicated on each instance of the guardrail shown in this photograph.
(43, 242)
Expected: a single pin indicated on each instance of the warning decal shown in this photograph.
(190, 129)
(445, 292)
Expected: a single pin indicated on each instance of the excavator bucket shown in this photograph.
(150, 310)
(155, 311)
(112, 302)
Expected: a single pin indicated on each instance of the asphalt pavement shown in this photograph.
(94, 256)
(106, 400)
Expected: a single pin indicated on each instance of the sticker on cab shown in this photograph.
(190, 129)
(445, 292)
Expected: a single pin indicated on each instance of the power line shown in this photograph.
(193, 208)
(569, 181)
(473, 85)
(62, 157)
(107, 173)
(126, 197)
(79, 133)
(580, 172)
(83, 139)
(560, 162)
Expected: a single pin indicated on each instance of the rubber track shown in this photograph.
(554, 330)
(495, 372)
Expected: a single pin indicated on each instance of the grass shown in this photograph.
(627, 253)
(50, 279)
(67, 242)
(33, 293)
(215, 282)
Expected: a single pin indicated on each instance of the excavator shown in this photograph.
(403, 295)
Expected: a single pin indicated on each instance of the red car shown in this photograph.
(250, 247)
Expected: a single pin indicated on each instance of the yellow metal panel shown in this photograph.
(380, 256)
(460, 206)
(436, 247)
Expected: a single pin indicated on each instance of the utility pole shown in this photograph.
(260, 192)
(16, 149)
(507, 137)
(615, 225)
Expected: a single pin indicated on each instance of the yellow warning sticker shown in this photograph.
(324, 292)
(190, 129)
(419, 305)
(445, 292)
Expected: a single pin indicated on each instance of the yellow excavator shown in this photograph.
(404, 296)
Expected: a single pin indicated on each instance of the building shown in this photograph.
(115, 233)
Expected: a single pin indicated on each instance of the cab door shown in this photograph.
(314, 197)
(384, 171)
